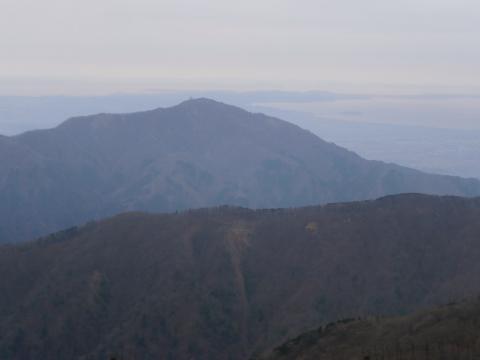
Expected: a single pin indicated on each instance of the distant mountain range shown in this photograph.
(197, 154)
(448, 332)
(230, 283)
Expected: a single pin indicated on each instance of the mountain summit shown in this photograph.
(196, 154)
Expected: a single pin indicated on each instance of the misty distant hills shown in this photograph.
(228, 283)
(22, 113)
(199, 153)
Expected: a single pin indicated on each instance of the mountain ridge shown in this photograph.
(199, 153)
(445, 332)
(230, 282)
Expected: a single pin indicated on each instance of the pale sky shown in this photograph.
(101, 46)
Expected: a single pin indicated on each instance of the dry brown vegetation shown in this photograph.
(448, 333)
(228, 283)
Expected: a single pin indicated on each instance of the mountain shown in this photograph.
(227, 282)
(197, 154)
(449, 332)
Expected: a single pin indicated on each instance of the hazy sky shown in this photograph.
(95, 46)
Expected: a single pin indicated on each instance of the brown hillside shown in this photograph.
(449, 332)
(226, 283)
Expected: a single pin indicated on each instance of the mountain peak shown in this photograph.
(199, 153)
(202, 103)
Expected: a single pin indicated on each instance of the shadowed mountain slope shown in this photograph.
(227, 283)
(449, 332)
(197, 154)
